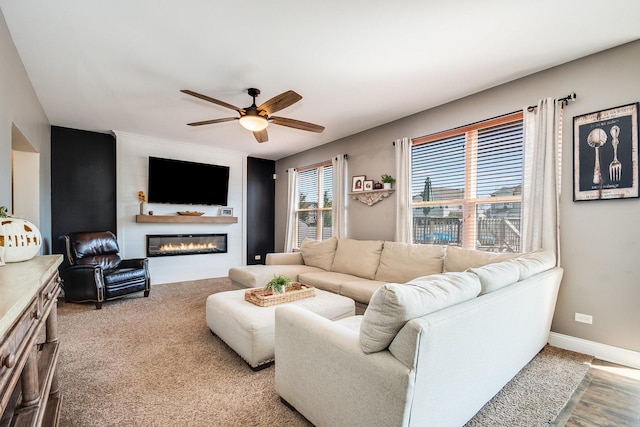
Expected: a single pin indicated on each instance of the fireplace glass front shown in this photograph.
(185, 244)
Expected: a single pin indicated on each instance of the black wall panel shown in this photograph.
(83, 183)
(260, 221)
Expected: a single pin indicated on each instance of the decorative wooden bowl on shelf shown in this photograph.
(190, 213)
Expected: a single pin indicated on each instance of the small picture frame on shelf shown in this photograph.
(357, 183)
(368, 185)
(226, 211)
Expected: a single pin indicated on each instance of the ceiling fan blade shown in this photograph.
(279, 102)
(296, 124)
(261, 135)
(208, 98)
(210, 122)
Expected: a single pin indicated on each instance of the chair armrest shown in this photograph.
(284, 258)
(134, 263)
(139, 263)
(82, 282)
(323, 373)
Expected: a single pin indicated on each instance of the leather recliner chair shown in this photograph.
(95, 272)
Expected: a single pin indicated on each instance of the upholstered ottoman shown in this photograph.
(250, 330)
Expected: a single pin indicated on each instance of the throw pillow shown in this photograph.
(535, 262)
(401, 262)
(357, 257)
(460, 259)
(393, 304)
(497, 275)
(318, 253)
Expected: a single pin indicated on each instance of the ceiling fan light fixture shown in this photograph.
(254, 123)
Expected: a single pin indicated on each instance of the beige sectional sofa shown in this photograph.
(444, 329)
(429, 352)
(357, 268)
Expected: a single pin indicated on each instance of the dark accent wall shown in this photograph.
(83, 183)
(260, 209)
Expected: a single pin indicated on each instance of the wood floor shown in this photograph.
(608, 396)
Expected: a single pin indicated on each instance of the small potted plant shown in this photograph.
(277, 285)
(387, 180)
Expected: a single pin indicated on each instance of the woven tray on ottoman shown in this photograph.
(294, 292)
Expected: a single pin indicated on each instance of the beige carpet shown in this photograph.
(153, 362)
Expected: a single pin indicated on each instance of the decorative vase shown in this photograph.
(387, 185)
(20, 240)
(143, 208)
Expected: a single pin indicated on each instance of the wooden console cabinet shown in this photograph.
(29, 393)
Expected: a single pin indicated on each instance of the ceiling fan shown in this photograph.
(257, 118)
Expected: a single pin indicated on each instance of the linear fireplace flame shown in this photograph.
(185, 244)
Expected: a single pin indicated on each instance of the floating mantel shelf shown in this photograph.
(371, 197)
(187, 219)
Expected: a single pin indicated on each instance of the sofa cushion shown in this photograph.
(357, 257)
(459, 259)
(318, 253)
(497, 275)
(393, 304)
(284, 258)
(401, 262)
(535, 262)
(360, 290)
(352, 323)
(255, 276)
(326, 280)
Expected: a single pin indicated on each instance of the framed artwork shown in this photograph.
(368, 185)
(605, 154)
(226, 211)
(357, 183)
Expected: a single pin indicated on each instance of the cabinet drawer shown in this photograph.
(49, 293)
(14, 350)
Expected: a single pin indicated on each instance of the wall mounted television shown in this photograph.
(187, 183)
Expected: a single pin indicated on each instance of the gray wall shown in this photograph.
(600, 239)
(19, 105)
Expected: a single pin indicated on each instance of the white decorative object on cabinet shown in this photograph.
(20, 240)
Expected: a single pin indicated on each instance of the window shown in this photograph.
(315, 198)
(467, 185)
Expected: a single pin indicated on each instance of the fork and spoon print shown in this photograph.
(596, 139)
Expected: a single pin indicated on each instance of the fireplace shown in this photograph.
(185, 244)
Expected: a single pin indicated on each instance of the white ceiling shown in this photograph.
(119, 65)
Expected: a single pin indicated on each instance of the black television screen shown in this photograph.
(187, 183)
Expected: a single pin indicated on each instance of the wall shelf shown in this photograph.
(371, 197)
(186, 219)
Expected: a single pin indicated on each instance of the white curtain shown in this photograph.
(292, 202)
(339, 207)
(403, 190)
(541, 177)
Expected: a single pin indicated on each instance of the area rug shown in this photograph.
(153, 362)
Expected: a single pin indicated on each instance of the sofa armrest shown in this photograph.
(323, 373)
(284, 258)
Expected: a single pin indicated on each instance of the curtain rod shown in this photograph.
(571, 97)
(315, 165)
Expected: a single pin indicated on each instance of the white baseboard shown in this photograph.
(600, 351)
